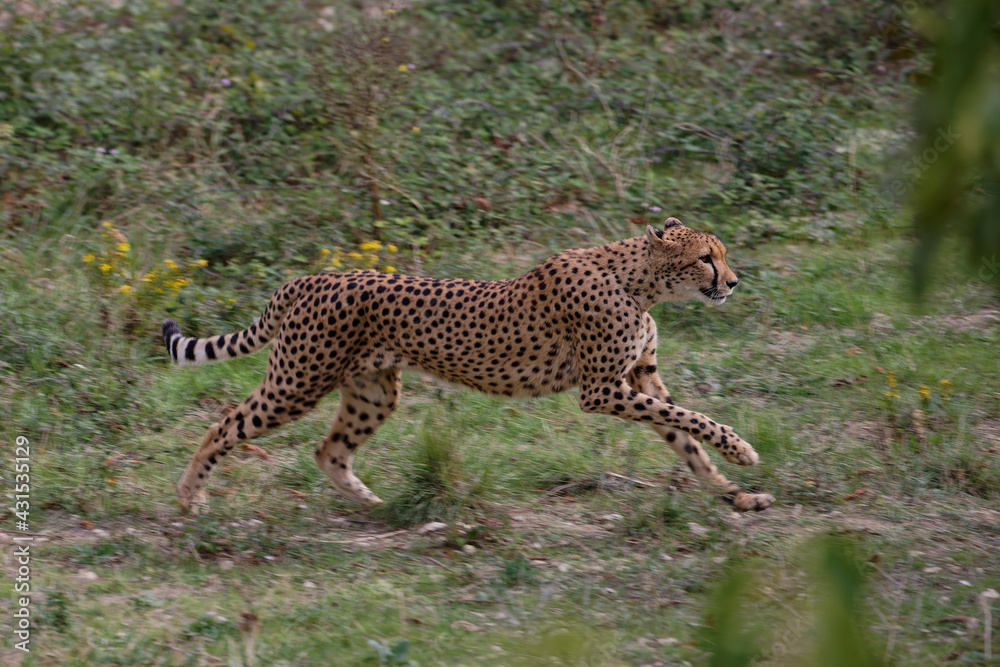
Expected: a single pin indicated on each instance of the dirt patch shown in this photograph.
(870, 430)
(785, 341)
(980, 319)
(987, 433)
(864, 523)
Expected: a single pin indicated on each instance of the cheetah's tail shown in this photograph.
(193, 351)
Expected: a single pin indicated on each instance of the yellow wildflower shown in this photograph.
(925, 392)
(945, 388)
(105, 268)
(404, 68)
(125, 289)
(390, 12)
(355, 255)
(202, 263)
(389, 269)
(171, 264)
(414, 129)
(123, 246)
(89, 258)
(371, 246)
(324, 252)
(391, 248)
(107, 225)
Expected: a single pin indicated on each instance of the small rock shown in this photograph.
(100, 532)
(666, 556)
(611, 517)
(226, 564)
(308, 584)
(87, 575)
(431, 527)
(465, 625)
(666, 641)
(468, 549)
(563, 567)
(703, 388)
(931, 570)
(698, 529)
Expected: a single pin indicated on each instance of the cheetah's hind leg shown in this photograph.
(365, 402)
(254, 416)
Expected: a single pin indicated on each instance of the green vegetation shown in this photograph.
(958, 164)
(187, 158)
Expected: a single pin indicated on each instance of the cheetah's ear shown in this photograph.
(657, 239)
(672, 222)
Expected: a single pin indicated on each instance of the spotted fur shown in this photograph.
(578, 319)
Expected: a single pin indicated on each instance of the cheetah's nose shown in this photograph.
(732, 283)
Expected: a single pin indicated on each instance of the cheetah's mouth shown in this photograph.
(713, 297)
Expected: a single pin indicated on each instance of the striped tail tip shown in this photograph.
(171, 335)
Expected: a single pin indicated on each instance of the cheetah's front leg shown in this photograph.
(617, 398)
(645, 377)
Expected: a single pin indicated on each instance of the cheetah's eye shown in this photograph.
(707, 259)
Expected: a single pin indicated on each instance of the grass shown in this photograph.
(877, 418)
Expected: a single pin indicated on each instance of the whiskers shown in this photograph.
(713, 293)
(715, 296)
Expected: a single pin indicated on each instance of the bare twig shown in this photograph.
(622, 479)
(21, 533)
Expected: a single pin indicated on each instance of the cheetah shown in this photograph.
(580, 319)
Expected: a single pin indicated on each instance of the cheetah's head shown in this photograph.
(689, 264)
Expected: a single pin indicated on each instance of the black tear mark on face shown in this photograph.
(713, 291)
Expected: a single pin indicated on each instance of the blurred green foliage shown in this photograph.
(958, 160)
(735, 635)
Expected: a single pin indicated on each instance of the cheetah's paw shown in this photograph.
(738, 451)
(746, 502)
(354, 489)
(196, 503)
